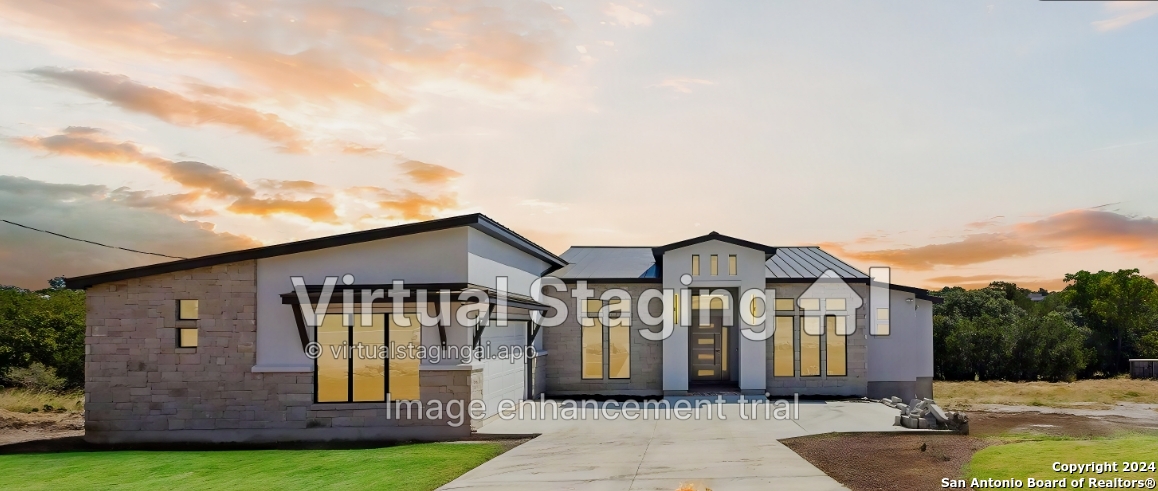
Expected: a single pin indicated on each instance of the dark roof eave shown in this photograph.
(477, 220)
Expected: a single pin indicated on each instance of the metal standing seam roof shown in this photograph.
(637, 262)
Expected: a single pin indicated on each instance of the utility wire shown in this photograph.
(89, 241)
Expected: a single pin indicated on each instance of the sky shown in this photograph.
(957, 142)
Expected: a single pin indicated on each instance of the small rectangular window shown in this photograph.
(593, 306)
(810, 303)
(834, 304)
(785, 304)
(187, 310)
(882, 323)
(187, 338)
(783, 349)
(695, 264)
(592, 346)
(732, 265)
(714, 263)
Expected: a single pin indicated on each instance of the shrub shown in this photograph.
(35, 377)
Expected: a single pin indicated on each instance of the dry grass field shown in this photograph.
(1086, 394)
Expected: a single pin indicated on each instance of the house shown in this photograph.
(422, 331)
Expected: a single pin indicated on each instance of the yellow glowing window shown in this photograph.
(333, 370)
(809, 303)
(809, 353)
(369, 367)
(783, 351)
(834, 304)
(592, 341)
(811, 326)
(188, 310)
(619, 349)
(706, 356)
(403, 373)
(706, 341)
(695, 264)
(836, 347)
(714, 264)
(186, 338)
(706, 373)
(785, 304)
(593, 306)
(732, 265)
(712, 301)
(882, 314)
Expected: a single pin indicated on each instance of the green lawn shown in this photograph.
(1035, 458)
(423, 466)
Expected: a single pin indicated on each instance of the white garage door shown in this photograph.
(503, 378)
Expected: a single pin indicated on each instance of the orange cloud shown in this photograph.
(409, 205)
(175, 108)
(316, 209)
(1076, 230)
(204, 178)
(318, 53)
(425, 173)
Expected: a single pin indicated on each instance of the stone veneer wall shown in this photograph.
(564, 349)
(854, 384)
(140, 387)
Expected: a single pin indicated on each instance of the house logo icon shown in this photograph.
(829, 304)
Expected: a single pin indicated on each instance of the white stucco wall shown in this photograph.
(490, 258)
(751, 273)
(896, 357)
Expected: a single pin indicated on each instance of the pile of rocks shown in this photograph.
(927, 415)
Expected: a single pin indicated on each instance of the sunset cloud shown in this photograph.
(626, 17)
(176, 109)
(1075, 230)
(121, 217)
(424, 173)
(683, 85)
(200, 177)
(1124, 14)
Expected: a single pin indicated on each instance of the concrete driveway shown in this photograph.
(662, 453)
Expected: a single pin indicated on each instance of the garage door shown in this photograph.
(503, 378)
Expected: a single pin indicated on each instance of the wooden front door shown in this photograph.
(708, 347)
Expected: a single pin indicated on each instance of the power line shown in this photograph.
(89, 241)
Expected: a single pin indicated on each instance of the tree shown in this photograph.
(1121, 310)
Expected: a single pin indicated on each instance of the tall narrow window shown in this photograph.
(810, 347)
(695, 264)
(403, 369)
(619, 348)
(333, 370)
(783, 351)
(714, 264)
(882, 323)
(369, 372)
(592, 345)
(836, 347)
(732, 265)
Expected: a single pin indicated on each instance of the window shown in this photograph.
(619, 348)
(732, 265)
(363, 374)
(810, 303)
(714, 301)
(695, 264)
(835, 304)
(783, 349)
(714, 264)
(882, 323)
(785, 304)
(592, 345)
(187, 310)
(810, 348)
(187, 338)
(593, 305)
(836, 346)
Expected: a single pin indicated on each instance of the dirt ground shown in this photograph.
(23, 427)
(882, 461)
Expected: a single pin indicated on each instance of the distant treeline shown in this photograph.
(1089, 329)
(42, 337)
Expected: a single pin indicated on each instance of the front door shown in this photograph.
(708, 346)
